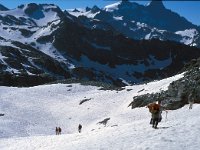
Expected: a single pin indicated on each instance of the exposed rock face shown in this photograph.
(113, 50)
(24, 65)
(178, 91)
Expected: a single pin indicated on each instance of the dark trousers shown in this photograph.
(79, 130)
(155, 122)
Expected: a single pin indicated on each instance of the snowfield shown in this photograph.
(31, 115)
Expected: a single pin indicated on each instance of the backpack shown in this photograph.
(154, 108)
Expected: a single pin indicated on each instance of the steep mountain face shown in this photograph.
(24, 61)
(134, 61)
(43, 43)
(142, 22)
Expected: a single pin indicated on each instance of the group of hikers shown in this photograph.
(58, 129)
(154, 108)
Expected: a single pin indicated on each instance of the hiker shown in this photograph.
(56, 130)
(191, 98)
(79, 128)
(155, 114)
(59, 130)
(190, 104)
(161, 108)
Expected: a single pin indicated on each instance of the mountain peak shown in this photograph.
(156, 4)
(87, 9)
(75, 10)
(3, 8)
(95, 9)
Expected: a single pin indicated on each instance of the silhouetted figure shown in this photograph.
(56, 130)
(191, 104)
(59, 130)
(79, 128)
(191, 99)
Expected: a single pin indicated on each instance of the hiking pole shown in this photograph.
(166, 115)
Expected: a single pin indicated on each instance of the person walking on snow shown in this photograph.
(59, 130)
(79, 128)
(155, 114)
(56, 130)
(191, 99)
(161, 109)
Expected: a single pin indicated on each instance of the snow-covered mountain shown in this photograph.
(21, 54)
(141, 22)
(29, 117)
(41, 43)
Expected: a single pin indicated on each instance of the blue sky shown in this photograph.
(188, 9)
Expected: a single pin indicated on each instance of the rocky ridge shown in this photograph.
(178, 91)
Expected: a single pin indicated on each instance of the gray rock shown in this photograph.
(178, 91)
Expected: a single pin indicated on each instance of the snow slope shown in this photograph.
(31, 115)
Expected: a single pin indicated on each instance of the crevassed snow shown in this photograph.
(31, 115)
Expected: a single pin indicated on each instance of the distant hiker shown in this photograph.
(154, 109)
(161, 109)
(190, 104)
(57, 131)
(79, 128)
(191, 99)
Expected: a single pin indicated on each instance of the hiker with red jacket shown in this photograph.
(155, 113)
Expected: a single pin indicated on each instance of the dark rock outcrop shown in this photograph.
(178, 91)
